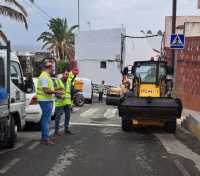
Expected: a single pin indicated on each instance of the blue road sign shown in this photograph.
(177, 41)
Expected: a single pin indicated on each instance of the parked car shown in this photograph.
(33, 110)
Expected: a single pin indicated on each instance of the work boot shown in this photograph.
(57, 133)
(47, 142)
(67, 131)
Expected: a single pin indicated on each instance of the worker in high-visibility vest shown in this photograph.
(63, 103)
(45, 91)
(71, 79)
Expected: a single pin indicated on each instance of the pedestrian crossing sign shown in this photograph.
(177, 41)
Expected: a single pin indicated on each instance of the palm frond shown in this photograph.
(73, 28)
(18, 5)
(13, 14)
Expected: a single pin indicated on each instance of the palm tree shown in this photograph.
(19, 14)
(59, 38)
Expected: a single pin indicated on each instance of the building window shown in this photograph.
(103, 64)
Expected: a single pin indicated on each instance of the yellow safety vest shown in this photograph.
(41, 95)
(70, 77)
(68, 100)
(67, 95)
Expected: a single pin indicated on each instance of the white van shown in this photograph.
(12, 108)
(87, 89)
(17, 92)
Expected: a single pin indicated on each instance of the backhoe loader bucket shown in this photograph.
(150, 108)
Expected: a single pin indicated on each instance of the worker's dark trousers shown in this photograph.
(67, 115)
(100, 96)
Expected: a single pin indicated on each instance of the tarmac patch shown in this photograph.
(110, 131)
(63, 160)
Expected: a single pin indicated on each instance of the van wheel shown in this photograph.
(89, 101)
(170, 126)
(79, 100)
(11, 135)
(126, 124)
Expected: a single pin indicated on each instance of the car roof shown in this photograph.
(84, 79)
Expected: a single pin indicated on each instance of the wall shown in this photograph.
(188, 72)
(91, 69)
(180, 21)
(92, 47)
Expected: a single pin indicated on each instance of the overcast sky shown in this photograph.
(135, 15)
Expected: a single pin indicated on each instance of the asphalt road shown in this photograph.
(100, 148)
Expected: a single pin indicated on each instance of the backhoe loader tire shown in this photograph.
(170, 126)
(126, 124)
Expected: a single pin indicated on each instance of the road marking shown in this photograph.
(35, 144)
(76, 109)
(9, 166)
(96, 124)
(63, 160)
(181, 168)
(18, 145)
(173, 146)
(89, 112)
(110, 113)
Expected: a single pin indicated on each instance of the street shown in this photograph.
(99, 147)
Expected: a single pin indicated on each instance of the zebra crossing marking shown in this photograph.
(89, 112)
(110, 113)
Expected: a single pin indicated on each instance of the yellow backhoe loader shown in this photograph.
(148, 101)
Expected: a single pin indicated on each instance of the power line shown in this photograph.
(41, 10)
(142, 37)
(38, 8)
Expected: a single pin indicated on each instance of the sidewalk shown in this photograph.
(191, 121)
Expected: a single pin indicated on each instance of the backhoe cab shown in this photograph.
(149, 100)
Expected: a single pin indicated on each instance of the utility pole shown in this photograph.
(79, 15)
(174, 7)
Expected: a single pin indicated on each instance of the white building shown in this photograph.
(98, 53)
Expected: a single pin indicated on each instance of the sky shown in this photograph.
(134, 15)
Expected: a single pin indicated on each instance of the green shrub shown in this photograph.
(61, 66)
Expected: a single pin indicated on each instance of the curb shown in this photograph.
(191, 121)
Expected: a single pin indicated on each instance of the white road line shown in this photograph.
(63, 160)
(18, 145)
(9, 166)
(110, 113)
(76, 109)
(181, 168)
(34, 145)
(89, 112)
(96, 124)
(173, 146)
